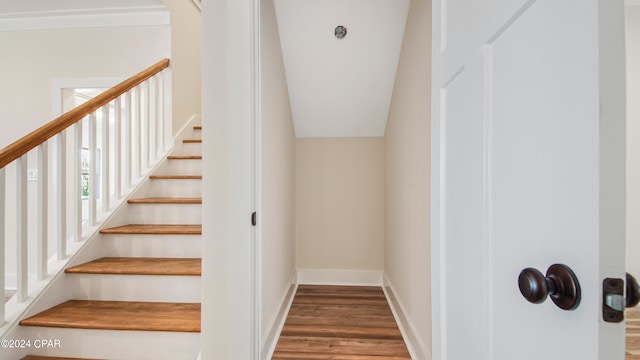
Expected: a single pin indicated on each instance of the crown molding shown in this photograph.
(88, 17)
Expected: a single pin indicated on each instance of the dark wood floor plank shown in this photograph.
(354, 331)
(339, 320)
(120, 315)
(328, 300)
(340, 323)
(337, 345)
(380, 309)
(309, 356)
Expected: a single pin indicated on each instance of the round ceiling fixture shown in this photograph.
(340, 31)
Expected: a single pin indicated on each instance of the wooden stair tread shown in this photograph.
(139, 266)
(197, 127)
(184, 157)
(162, 200)
(33, 357)
(151, 229)
(177, 177)
(192, 141)
(120, 315)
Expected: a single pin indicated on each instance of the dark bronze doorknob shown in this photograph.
(560, 284)
(632, 291)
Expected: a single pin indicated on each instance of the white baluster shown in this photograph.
(117, 150)
(106, 160)
(152, 154)
(77, 179)
(61, 194)
(93, 168)
(2, 237)
(128, 149)
(147, 125)
(161, 111)
(166, 110)
(137, 138)
(43, 211)
(22, 219)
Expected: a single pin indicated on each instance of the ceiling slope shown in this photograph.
(341, 87)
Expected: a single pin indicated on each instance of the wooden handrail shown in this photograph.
(52, 128)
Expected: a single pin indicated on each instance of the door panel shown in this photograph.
(526, 141)
(463, 222)
(543, 197)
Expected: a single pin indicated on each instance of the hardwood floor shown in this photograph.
(632, 316)
(340, 323)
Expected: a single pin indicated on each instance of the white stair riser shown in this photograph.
(165, 213)
(179, 246)
(193, 134)
(187, 149)
(170, 188)
(155, 288)
(109, 344)
(180, 167)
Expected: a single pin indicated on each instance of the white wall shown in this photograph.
(340, 203)
(632, 14)
(186, 54)
(407, 171)
(32, 59)
(277, 148)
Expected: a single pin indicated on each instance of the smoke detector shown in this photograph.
(340, 31)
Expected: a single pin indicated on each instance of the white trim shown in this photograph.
(340, 277)
(72, 19)
(415, 345)
(198, 4)
(256, 177)
(184, 132)
(57, 85)
(271, 340)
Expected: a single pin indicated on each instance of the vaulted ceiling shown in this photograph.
(337, 87)
(341, 87)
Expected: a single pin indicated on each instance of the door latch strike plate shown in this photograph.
(613, 300)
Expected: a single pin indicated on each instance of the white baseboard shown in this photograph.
(269, 344)
(416, 347)
(340, 277)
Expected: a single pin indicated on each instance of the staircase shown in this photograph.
(140, 297)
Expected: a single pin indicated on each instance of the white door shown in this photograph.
(528, 158)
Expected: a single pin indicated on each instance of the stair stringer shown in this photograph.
(103, 343)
